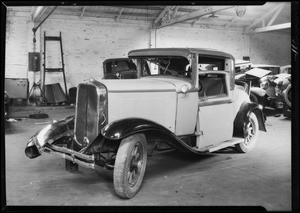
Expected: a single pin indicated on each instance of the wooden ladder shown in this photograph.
(61, 69)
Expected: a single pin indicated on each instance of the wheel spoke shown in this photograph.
(130, 177)
(139, 165)
(135, 151)
(137, 156)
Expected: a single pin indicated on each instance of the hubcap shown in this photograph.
(136, 164)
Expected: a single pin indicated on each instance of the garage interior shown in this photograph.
(49, 50)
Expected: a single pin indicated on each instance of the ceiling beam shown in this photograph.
(272, 28)
(82, 12)
(264, 16)
(195, 22)
(231, 22)
(175, 11)
(275, 16)
(162, 14)
(120, 13)
(192, 15)
(38, 13)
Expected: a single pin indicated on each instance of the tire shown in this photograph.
(130, 165)
(251, 131)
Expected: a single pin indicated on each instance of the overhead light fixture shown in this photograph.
(213, 16)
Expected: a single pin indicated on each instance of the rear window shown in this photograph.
(206, 63)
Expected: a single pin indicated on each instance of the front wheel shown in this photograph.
(251, 131)
(130, 165)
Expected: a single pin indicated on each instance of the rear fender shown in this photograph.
(121, 129)
(243, 116)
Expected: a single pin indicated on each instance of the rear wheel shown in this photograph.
(251, 131)
(130, 165)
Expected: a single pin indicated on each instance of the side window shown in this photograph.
(212, 85)
(145, 68)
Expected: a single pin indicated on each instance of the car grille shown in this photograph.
(90, 113)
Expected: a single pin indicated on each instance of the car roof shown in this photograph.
(257, 72)
(177, 52)
(116, 59)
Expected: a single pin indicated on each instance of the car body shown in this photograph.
(179, 100)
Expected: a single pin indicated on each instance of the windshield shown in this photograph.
(165, 66)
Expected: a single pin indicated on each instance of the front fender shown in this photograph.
(120, 129)
(258, 91)
(49, 134)
(243, 115)
(123, 128)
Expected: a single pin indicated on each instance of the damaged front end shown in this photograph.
(60, 132)
(77, 138)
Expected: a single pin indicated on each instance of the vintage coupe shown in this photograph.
(182, 98)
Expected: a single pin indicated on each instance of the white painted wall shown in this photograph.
(87, 42)
(16, 49)
(232, 42)
(270, 48)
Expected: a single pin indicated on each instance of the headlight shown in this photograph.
(278, 91)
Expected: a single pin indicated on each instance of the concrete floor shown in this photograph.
(226, 178)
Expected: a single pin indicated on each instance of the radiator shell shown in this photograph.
(91, 112)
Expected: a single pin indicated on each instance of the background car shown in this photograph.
(283, 90)
(242, 66)
(7, 103)
(275, 69)
(119, 68)
(286, 69)
(263, 87)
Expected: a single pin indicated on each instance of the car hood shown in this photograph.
(145, 85)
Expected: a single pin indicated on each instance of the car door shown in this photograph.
(215, 109)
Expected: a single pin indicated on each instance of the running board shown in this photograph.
(223, 145)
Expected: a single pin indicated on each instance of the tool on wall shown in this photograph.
(46, 69)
